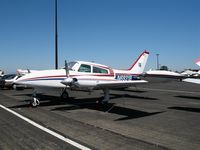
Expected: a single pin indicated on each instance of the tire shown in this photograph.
(35, 102)
(64, 95)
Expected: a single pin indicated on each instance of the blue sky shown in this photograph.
(111, 32)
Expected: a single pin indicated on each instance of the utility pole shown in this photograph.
(157, 61)
(56, 37)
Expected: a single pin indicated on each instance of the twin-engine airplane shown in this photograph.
(87, 76)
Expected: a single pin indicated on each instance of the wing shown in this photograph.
(197, 81)
(119, 84)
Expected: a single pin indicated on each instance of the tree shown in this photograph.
(164, 68)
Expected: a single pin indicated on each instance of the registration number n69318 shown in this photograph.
(124, 77)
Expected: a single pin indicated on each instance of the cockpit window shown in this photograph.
(99, 70)
(84, 68)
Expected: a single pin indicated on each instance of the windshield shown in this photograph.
(71, 65)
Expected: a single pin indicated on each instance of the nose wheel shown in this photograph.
(35, 102)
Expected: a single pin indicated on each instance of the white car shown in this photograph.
(7, 81)
(1, 74)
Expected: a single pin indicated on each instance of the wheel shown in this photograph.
(65, 95)
(35, 102)
(102, 101)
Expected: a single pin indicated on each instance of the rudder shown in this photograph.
(139, 65)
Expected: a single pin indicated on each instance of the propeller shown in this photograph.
(28, 71)
(68, 81)
(66, 69)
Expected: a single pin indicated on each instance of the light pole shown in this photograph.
(157, 61)
(56, 37)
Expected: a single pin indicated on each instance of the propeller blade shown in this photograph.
(28, 71)
(66, 68)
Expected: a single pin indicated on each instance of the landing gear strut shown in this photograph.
(105, 98)
(35, 101)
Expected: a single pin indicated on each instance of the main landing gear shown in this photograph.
(104, 100)
(64, 95)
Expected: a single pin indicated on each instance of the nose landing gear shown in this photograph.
(35, 102)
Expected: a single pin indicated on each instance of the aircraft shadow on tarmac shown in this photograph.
(92, 104)
(188, 97)
(109, 108)
(130, 90)
(88, 103)
(132, 96)
(28, 95)
(190, 109)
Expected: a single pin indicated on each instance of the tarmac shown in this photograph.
(160, 115)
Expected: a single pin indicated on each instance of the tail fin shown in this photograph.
(139, 65)
(197, 61)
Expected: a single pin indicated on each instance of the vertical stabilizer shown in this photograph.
(197, 62)
(139, 65)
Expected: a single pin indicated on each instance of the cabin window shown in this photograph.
(99, 70)
(84, 68)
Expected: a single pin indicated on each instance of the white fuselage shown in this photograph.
(53, 78)
(83, 75)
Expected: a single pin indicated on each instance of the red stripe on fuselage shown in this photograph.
(64, 76)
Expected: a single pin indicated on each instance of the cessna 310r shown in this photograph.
(87, 76)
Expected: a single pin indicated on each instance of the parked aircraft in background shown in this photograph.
(189, 73)
(171, 74)
(192, 80)
(163, 73)
(196, 78)
(192, 72)
(87, 76)
(197, 62)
